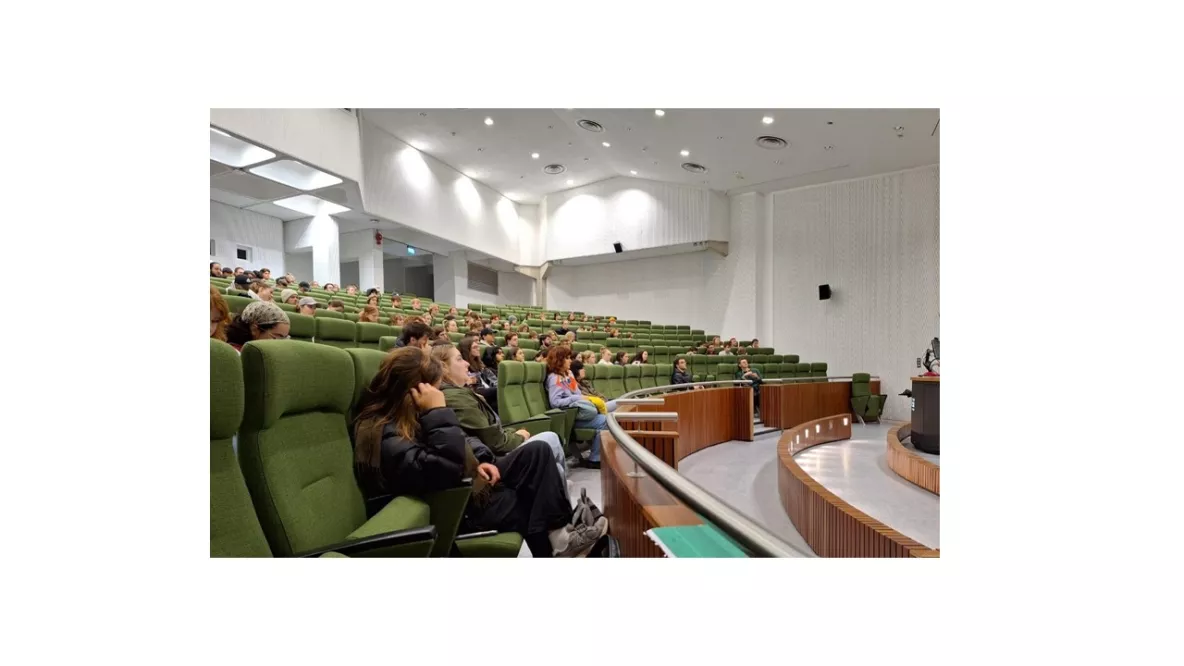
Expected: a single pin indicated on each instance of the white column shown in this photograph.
(444, 279)
(370, 269)
(326, 249)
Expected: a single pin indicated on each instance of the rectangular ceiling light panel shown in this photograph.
(310, 205)
(295, 174)
(235, 152)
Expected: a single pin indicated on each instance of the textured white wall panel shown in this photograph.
(231, 227)
(418, 191)
(876, 242)
(324, 138)
(640, 214)
(514, 289)
(731, 284)
(299, 264)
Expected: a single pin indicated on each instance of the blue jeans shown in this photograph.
(599, 423)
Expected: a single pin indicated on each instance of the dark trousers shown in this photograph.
(530, 499)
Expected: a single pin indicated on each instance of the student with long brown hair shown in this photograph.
(219, 315)
(369, 315)
(564, 391)
(470, 352)
(408, 442)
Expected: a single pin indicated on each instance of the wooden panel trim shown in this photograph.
(634, 505)
(831, 526)
(788, 405)
(910, 466)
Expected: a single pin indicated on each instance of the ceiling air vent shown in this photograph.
(591, 125)
(694, 168)
(554, 169)
(771, 142)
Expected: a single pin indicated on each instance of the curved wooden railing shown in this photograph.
(831, 526)
(910, 466)
(786, 403)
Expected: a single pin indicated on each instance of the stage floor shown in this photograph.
(857, 471)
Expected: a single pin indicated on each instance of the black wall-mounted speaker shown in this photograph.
(823, 292)
(618, 248)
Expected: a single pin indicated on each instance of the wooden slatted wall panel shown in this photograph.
(831, 526)
(910, 466)
(788, 405)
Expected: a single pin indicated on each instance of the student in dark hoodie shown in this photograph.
(408, 442)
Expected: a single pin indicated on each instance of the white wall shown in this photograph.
(349, 274)
(325, 138)
(876, 242)
(231, 227)
(299, 264)
(640, 214)
(418, 191)
(514, 289)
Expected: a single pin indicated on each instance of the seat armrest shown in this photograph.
(416, 535)
(534, 425)
(447, 509)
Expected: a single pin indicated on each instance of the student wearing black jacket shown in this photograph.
(409, 443)
(681, 374)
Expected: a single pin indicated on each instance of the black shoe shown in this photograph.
(590, 464)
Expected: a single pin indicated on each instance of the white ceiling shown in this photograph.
(862, 142)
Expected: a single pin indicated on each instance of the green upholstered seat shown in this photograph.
(725, 371)
(818, 370)
(302, 327)
(865, 405)
(328, 313)
(632, 378)
(535, 391)
(616, 382)
(790, 358)
(352, 316)
(336, 332)
(649, 376)
(370, 335)
(664, 372)
(529, 354)
(295, 451)
(387, 342)
(234, 528)
(237, 303)
(512, 406)
(523, 343)
(803, 370)
(287, 307)
(600, 379)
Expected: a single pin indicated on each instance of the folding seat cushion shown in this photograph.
(328, 313)
(790, 358)
(649, 375)
(336, 332)
(616, 382)
(237, 303)
(865, 405)
(817, 369)
(632, 378)
(234, 529)
(302, 327)
(803, 370)
(369, 334)
(295, 451)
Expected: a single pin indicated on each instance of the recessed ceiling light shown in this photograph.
(534, 156)
(768, 120)
(606, 144)
(685, 153)
(633, 172)
(295, 174)
(659, 112)
(489, 121)
(310, 205)
(570, 182)
(235, 152)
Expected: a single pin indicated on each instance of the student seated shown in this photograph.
(396, 302)
(622, 358)
(643, 357)
(351, 290)
(334, 305)
(745, 372)
(563, 391)
(289, 296)
(330, 287)
(491, 357)
(219, 315)
(681, 375)
(369, 314)
(261, 320)
(308, 306)
(516, 354)
(451, 327)
(415, 334)
(408, 442)
(606, 356)
(587, 357)
(215, 269)
(577, 371)
(470, 352)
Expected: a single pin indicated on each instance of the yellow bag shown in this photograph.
(599, 402)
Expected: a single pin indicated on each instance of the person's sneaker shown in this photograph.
(581, 539)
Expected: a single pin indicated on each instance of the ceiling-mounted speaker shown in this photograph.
(618, 248)
(823, 292)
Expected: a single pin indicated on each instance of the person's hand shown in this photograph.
(427, 397)
(489, 473)
(523, 434)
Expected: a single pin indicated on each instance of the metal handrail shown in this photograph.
(750, 535)
(807, 379)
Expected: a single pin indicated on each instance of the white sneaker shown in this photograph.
(581, 539)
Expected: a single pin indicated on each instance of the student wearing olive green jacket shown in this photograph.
(477, 418)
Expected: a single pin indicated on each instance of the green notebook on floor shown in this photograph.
(694, 541)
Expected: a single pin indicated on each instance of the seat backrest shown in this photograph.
(725, 371)
(234, 528)
(294, 443)
(387, 342)
(600, 381)
(665, 372)
(632, 378)
(803, 370)
(534, 388)
(817, 369)
(237, 303)
(287, 307)
(302, 327)
(614, 343)
(860, 384)
(776, 358)
(336, 332)
(529, 354)
(649, 375)
(759, 367)
(370, 335)
(772, 371)
(790, 358)
(328, 313)
(523, 343)
(366, 364)
(616, 381)
(511, 395)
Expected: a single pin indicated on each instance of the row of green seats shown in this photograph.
(290, 490)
